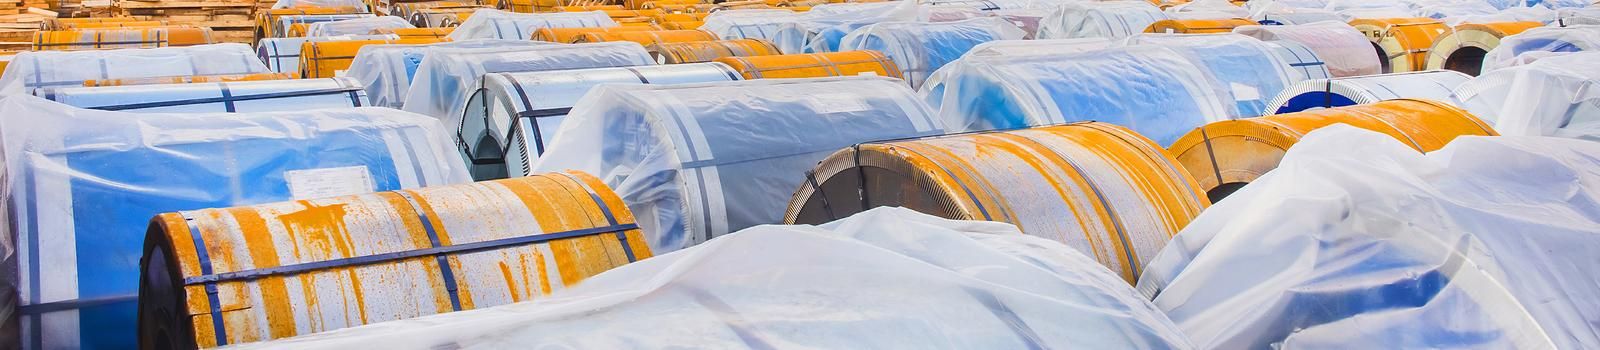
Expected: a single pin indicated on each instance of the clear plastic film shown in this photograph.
(387, 70)
(444, 81)
(1435, 85)
(1556, 96)
(349, 4)
(1304, 64)
(885, 278)
(1537, 42)
(921, 48)
(1155, 91)
(824, 26)
(1539, 14)
(701, 160)
(1208, 9)
(1250, 69)
(1357, 241)
(82, 185)
(1577, 16)
(764, 24)
(1108, 19)
(358, 26)
(496, 24)
(33, 70)
(1456, 9)
(282, 55)
(1344, 50)
(240, 96)
(1280, 15)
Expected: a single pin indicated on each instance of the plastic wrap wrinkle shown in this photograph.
(1555, 96)
(1109, 19)
(1543, 39)
(496, 24)
(764, 24)
(32, 70)
(1344, 49)
(444, 81)
(241, 96)
(921, 48)
(1486, 243)
(359, 26)
(1251, 69)
(387, 70)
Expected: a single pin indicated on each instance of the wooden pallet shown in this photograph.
(229, 20)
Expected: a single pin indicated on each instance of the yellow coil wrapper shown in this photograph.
(121, 38)
(440, 34)
(1224, 156)
(567, 35)
(541, 6)
(327, 59)
(669, 5)
(1097, 187)
(1402, 43)
(814, 65)
(1197, 26)
(647, 38)
(707, 51)
(188, 79)
(232, 275)
(1462, 50)
(682, 25)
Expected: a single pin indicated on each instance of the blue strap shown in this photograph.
(532, 118)
(227, 98)
(444, 262)
(74, 304)
(605, 210)
(217, 326)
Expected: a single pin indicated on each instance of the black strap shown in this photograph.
(532, 118)
(811, 178)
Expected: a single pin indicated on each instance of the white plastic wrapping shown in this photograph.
(921, 48)
(1344, 49)
(1292, 16)
(282, 55)
(282, 24)
(32, 70)
(1456, 9)
(883, 279)
(81, 186)
(764, 24)
(352, 4)
(1557, 96)
(1577, 16)
(1435, 85)
(1108, 19)
(1539, 40)
(1155, 91)
(698, 161)
(1040, 47)
(1539, 14)
(443, 81)
(821, 29)
(1303, 63)
(359, 26)
(239, 96)
(496, 24)
(1250, 69)
(1357, 241)
(1219, 9)
(387, 70)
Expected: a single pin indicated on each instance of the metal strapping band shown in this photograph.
(228, 99)
(833, 69)
(532, 117)
(811, 179)
(1327, 94)
(732, 75)
(217, 327)
(637, 74)
(755, 72)
(74, 304)
(433, 240)
(158, 42)
(355, 96)
(1211, 154)
(527, 106)
(861, 176)
(605, 210)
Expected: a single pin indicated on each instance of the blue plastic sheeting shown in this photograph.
(1155, 91)
(82, 185)
(387, 70)
(444, 81)
(496, 24)
(282, 55)
(1540, 42)
(33, 70)
(1357, 241)
(1556, 96)
(825, 25)
(359, 26)
(702, 160)
(1324, 93)
(1303, 63)
(764, 24)
(1110, 19)
(921, 48)
(239, 96)
(1249, 68)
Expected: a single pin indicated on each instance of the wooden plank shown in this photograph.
(180, 4)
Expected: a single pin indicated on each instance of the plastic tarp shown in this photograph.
(359, 26)
(1219, 9)
(1302, 62)
(1562, 4)
(387, 70)
(1557, 96)
(496, 24)
(1109, 19)
(1344, 49)
(1539, 14)
(239, 96)
(1292, 16)
(696, 161)
(31, 70)
(1155, 91)
(1540, 40)
(921, 48)
(1578, 16)
(82, 185)
(824, 26)
(352, 4)
(444, 81)
(764, 24)
(1457, 9)
(1249, 68)
(1357, 241)
(884, 278)
(282, 55)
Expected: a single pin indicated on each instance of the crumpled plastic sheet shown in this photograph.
(359, 26)
(1578, 16)
(1539, 14)
(696, 161)
(1295, 16)
(217, 97)
(350, 4)
(1374, 10)
(1249, 68)
(496, 24)
(1456, 9)
(1215, 8)
(1344, 49)
(82, 186)
(1555, 96)
(282, 55)
(1108, 19)
(921, 48)
(1542, 39)
(444, 81)
(387, 70)
(1561, 4)
(1357, 241)
(821, 31)
(1303, 63)
(884, 278)
(32, 70)
(764, 24)
(1153, 90)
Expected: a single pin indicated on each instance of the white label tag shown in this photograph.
(868, 73)
(328, 182)
(1243, 92)
(339, 73)
(837, 103)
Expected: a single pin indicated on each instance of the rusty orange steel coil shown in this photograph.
(1197, 26)
(70, 23)
(1464, 48)
(116, 24)
(267, 19)
(681, 17)
(683, 25)
(648, 38)
(587, 8)
(814, 65)
(213, 277)
(1100, 188)
(1402, 44)
(188, 79)
(620, 13)
(417, 33)
(121, 38)
(707, 51)
(660, 4)
(1224, 156)
(328, 59)
(567, 35)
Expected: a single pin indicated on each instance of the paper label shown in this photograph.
(1243, 92)
(329, 182)
(837, 103)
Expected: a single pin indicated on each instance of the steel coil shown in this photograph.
(283, 54)
(814, 65)
(567, 35)
(1197, 26)
(121, 38)
(707, 51)
(647, 38)
(438, 33)
(243, 96)
(327, 59)
(1097, 187)
(185, 79)
(1324, 93)
(1464, 48)
(1303, 62)
(1402, 44)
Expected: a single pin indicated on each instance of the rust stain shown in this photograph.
(511, 283)
(361, 300)
(419, 240)
(322, 227)
(544, 275)
(264, 253)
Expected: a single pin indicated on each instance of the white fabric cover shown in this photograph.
(444, 81)
(1541, 40)
(696, 161)
(31, 70)
(921, 48)
(386, 70)
(359, 26)
(1250, 69)
(1557, 96)
(887, 278)
(496, 24)
(1108, 19)
(1344, 49)
(764, 24)
(1357, 241)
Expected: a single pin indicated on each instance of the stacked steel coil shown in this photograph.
(1402, 43)
(1197, 26)
(707, 51)
(1463, 49)
(813, 65)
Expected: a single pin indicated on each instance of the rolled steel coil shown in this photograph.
(327, 59)
(121, 38)
(707, 51)
(70, 23)
(441, 17)
(660, 4)
(1463, 49)
(618, 13)
(683, 25)
(214, 277)
(648, 38)
(1097, 187)
(1325, 93)
(586, 8)
(814, 65)
(1304, 64)
(437, 33)
(118, 24)
(1402, 44)
(283, 54)
(1197, 26)
(186, 79)
(567, 35)
(275, 23)
(1224, 156)
(243, 96)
